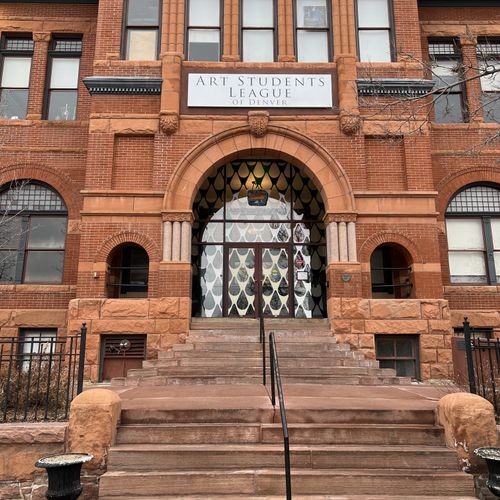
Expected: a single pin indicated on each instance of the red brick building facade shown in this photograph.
(131, 135)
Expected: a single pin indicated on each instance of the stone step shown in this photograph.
(254, 339)
(296, 497)
(219, 411)
(251, 323)
(369, 434)
(279, 333)
(207, 359)
(271, 482)
(231, 456)
(235, 346)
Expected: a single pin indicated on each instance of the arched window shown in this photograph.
(128, 272)
(473, 231)
(33, 222)
(391, 272)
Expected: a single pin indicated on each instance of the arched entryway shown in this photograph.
(259, 242)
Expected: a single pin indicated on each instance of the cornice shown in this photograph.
(399, 87)
(98, 85)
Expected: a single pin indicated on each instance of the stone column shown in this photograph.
(333, 252)
(344, 256)
(351, 241)
(186, 242)
(167, 241)
(38, 75)
(176, 241)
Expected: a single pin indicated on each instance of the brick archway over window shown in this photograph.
(128, 237)
(386, 238)
(53, 178)
(280, 143)
(451, 184)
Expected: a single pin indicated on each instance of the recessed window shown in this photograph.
(374, 30)
(16, 55)
(312, 18)
(64, 66)
(204, 30)
(258, 31)
(447, 73)
(32, 235)
(473, 232)
(142, 30)
(399, 352)
(488, 54)
(37, 345)
(128, 272)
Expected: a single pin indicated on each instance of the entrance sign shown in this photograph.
(229, 90)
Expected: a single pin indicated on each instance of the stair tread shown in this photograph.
(296, 497)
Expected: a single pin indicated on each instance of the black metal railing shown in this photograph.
(483, 365)
(40, 375)
(276, 384)
(262, 335)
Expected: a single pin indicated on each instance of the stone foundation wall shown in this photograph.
(21, 445)
(11, 320)
(165, 321)
(357, 321)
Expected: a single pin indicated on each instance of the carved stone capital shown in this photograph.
(259, 122)
(41, 36)
(169, 122)
(178, 217)
(350, 124)
(340, 217)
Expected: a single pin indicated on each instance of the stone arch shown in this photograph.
(128, 237)
(386, 238)
(53, 178)
(279, 142)
(453, 183)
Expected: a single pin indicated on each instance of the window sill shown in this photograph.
(45, 123)
(469, 288)
(36, 288)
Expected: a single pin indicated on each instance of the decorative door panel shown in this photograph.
(241, 282)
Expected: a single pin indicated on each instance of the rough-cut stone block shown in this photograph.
(89, 309)
(166, 307)
(4, 316)
(122, 326)
(167, 341)
(445, 356)
(440, 326)
(39, 317)
(432, 341)
(162, 326)
(154, 341)
(93, 421)
(469, 423)
(341, 326)
(185, 307)
(179, 326)
(431, 310)
(367, 341)
(334, 307)
(476, 318)
(125, 308)
(396, 326)
(428, 356)
(358, 326)
(355, 308)
(395, 309)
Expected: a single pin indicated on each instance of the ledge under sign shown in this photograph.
(221, 90)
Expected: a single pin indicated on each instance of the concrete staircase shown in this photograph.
(196, 424)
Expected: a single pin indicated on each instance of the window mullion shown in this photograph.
(21, 251)
(490, 255)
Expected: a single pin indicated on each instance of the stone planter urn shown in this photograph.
(492, 457)
(63, 471)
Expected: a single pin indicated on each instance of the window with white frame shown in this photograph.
(204, 30)
(64, 61)
(141, 30)
(258, 30)
(473, 232)
(16, 55)
(447, 72)
(32, 234)
(488, 54)
(374, 30)
(312, 20)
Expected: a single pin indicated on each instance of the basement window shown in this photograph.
(399, 352)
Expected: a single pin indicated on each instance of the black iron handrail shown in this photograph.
(276, 383)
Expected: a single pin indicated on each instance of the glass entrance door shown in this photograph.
(258, 278)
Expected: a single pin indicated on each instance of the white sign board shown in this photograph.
(221, 90)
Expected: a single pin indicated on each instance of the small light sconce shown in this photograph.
(95, 275)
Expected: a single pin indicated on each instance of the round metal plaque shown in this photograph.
(346, 277)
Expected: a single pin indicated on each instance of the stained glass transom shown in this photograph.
(24, 196)
(476, 199)
(282, 240)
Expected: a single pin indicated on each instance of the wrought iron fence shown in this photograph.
(40, 375)
(483, 365)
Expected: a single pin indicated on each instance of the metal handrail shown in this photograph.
(263, 345)
(276, 382)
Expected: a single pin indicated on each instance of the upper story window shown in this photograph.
(258, 30)
(141, 30)
(204, 30)
(64, 71)
(375, 30)
(312, 20)
(32, 233)
(488, 54)
(447, 71)
(473, 231)
(16, 54)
